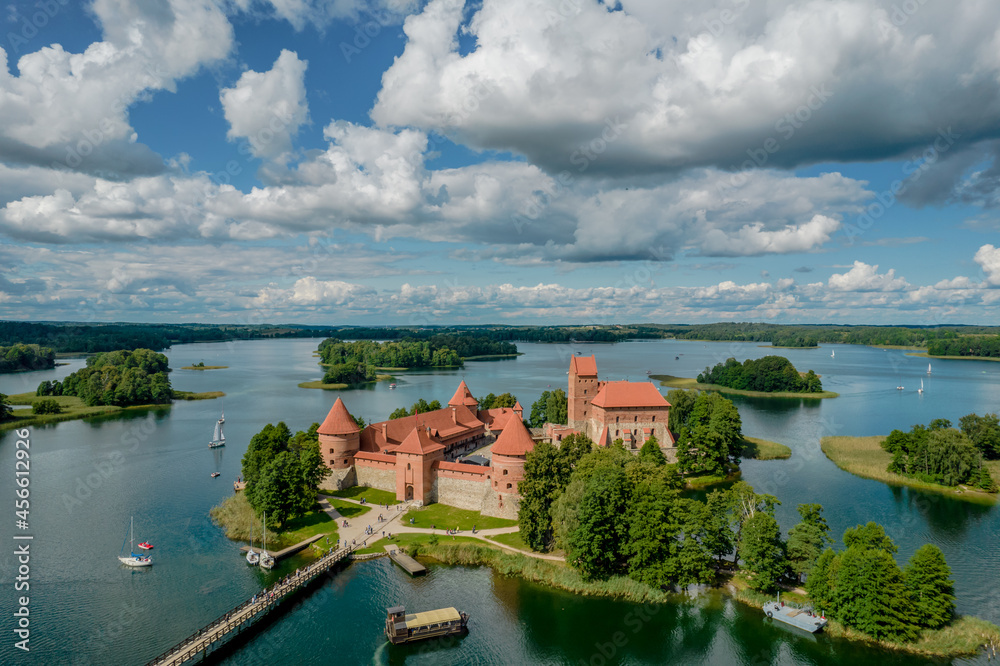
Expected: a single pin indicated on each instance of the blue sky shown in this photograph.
(405, 162)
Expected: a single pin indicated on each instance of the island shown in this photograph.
(769, 377)
(200, 365)
(963, 463)
(25, 358)
(110, 382)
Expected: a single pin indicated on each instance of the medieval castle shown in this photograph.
(416, 457)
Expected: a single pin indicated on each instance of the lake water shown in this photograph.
(89, 477)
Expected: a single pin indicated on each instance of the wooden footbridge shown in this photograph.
(200, 644)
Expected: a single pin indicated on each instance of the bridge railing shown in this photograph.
(332, 556)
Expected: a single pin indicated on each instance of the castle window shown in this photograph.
(585, 391)
(407, 465)
(616, 419)
(636, 419)
(331, 450)
(509, 486)
(654, 418)
(505, 472)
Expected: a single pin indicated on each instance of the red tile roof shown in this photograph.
(463, 396)
(583, 366)
(419, 442)
(629, 394)
(378, 436)
(515, 440)
(338, 421)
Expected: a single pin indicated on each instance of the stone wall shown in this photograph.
(376, 475)
(461, 493)
(499, 505)
(339, 479)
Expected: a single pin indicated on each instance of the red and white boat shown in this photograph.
(145, 545)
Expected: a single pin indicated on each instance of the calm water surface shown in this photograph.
(89, 477)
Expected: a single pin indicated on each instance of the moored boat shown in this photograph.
(802, 618)
(133, 560)
(145, 545)
(401, 627)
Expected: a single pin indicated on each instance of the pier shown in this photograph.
(410, 565)
(291, 550)
(200, 644)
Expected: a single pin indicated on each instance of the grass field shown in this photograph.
(72, 406)
(689, 383)
(349, 510)
(370, 495)
(235, 515)
(447, 517)
(862, 456)
(513, 540)
(755, 448)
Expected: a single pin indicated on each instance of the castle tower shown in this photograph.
(508, 456)
(415, 458)
(583, 386)
(463, 396)
(339, 437)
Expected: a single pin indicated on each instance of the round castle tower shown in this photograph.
(339, 437)
(508, 455)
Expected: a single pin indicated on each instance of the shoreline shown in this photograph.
(562, 577)
(955, 358)
(864, 458)
(690, 383)
(74, 408)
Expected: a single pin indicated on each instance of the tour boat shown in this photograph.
(218, 437)
(899, 388)
(145, 545)
(803, 618)
(401, 627)
(266, 560)
(132, 559)
(252, 557)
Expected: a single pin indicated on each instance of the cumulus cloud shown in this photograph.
(661, 87)
(753, 239)
(865, 277)
(267, 108)
(70, 110)
(319, 13)
(988, 258)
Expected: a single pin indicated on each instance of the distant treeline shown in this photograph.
(506, 334)
(770, 374)
(938, 453)
(809, 335)
(121, 378)
(970, 345)
(91, 338)
(20, 357)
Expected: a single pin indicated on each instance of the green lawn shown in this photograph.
(349, 510)
(513, 540)
(370, 495)
(235, 516)
(447, 517)
(72, 406)
(411, 538)
(298, 529)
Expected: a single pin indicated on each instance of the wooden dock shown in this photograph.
(200, 644)
(410, 565)
(291, 550)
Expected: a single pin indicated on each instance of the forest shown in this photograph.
(121, 378)
(938, 453)
(618, 514)
(89, 338)
(769, 374)
(20, 357)
(987, 346)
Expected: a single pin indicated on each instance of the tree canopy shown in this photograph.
(769, 374)
(551, 407)
(19, 357)
(710, 438)
(937, 453)
(122, 378)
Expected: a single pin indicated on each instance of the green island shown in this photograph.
(21, 357)
(690, 383)
(959, 463)
(110, 382)
(200, 365)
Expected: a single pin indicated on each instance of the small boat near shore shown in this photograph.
(215, 474)
(401, 627)
(801, 618)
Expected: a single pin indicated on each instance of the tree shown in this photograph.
(651, 452)
(870, 595)
(747, 503)
(556, 407)
(537, 415)
(719, 538)
(820, 580)
(496, 401)
(5, 411)
(681, 403)
(869, 536)
(983, 432)
(928, 578)
(546, 473)
(762, 552)
(806, 540)
(45, 406)
(596, 546)
(574, 447)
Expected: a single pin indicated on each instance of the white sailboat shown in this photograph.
(266, 560)
(921, 389)
(252, 556)
(218, 437)
(928, 368)
(833, 353)
(132, 559)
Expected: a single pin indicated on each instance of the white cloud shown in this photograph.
(267, 108)
(865, 277)
(780, 83)
(320, 13)
(988, 258)
(752, 239)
